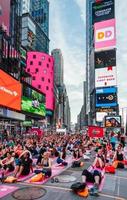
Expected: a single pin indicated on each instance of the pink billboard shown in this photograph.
(105, 34)
(41, 67)
(5, 15)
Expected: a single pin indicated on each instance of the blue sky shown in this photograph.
(67, 32)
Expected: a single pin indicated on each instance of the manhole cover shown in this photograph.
(66, 178)
(29, 193)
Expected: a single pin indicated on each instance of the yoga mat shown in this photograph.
(5, 190)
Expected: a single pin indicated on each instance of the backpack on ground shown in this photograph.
(78, 187)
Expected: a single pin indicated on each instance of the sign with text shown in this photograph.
(104, 34)
(106, 97)
(10, 91)
(95, 132)
(105, 77)
(103, 10)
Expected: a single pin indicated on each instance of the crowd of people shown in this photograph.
(21, 155)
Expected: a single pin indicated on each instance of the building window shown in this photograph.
(34, 56)
(31, 62)
(43, 57)
(39, 63)
(49, 80)
(39, 86)
(34, 78)
(48, 65)
(47, 88)
(49, 60)
(36, 70)
(28, 69)
(42, 79)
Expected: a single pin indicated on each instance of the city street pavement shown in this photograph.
(115, 187)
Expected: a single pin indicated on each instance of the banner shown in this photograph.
(10, 91)
(103, 10)
(104, 35)
(106, 97)
(105, 77)
(95, 132)
(105, 59)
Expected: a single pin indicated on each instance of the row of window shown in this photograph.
(43, 58)
(43, 79)
(47, 87)
(39, 63)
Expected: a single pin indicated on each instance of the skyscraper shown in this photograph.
(58, 67)
(100, 59)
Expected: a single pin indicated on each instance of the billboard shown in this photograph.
(112, 121)
(100, 116)
(107, 110)
(10, 92)
(105, 58)
(33, 101)
(103, 10)
(105, 34)
(106, 97)
(95, 132)
(5, 15)
(105, 77)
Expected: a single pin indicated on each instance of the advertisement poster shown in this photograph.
(5, 15)
(103, 10)
(33, 101)
(112, 121)
(106, 97)
(105, 58)
(105, 77)
(10, 92)
(95, 132)
(105, 34)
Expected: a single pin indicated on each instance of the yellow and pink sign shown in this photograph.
(105, 34)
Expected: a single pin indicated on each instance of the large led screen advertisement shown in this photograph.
(10, 91)
(105, 77)
(103, 10)
(33, 101)
(105, 35)
(112, 121)
(106, 97)
(105, 58)
(5, 14)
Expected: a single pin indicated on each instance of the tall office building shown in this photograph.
(40, 13)
(100, 59)
(58, 67)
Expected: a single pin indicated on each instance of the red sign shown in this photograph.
(10, 91)
(95, 132)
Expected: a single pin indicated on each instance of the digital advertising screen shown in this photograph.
(105, 77)
(5, 15)
(10, 91)
(105, 59)
(105, 34)
(33, 101)
(112, 121)
(106, 97)
(103, 10)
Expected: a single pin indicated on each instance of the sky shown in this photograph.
(67, 32)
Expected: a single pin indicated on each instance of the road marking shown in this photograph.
(68, 189)
(121, 177)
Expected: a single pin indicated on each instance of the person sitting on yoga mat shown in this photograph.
(60, 160)
(99, 161)
(7, 163)
(24, 166)
(118, 160)
(46, 165)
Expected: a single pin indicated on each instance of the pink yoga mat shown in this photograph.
(5, 190)
(23, 178)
